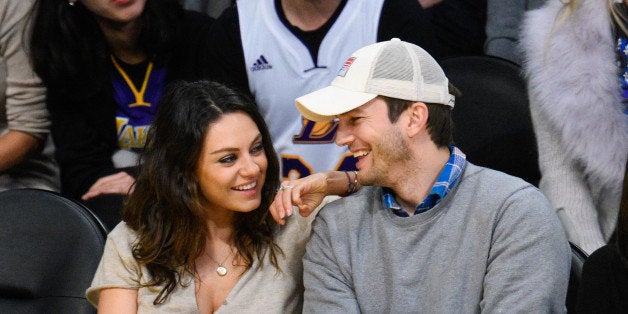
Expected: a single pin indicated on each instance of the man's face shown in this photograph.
(379, 145)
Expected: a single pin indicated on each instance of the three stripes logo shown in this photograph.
(261, 64)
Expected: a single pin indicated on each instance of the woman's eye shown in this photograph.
(227, 159)
(257, 148)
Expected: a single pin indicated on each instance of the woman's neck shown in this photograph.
(123, 40)
(220, 233)
(221, 226)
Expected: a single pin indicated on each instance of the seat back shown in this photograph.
(578, 257)
(50, 247)
(492, 123)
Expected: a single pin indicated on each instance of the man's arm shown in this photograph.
(529, 259)
(327, 288)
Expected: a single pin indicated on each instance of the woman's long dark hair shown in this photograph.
(69, 51)
(164, 208)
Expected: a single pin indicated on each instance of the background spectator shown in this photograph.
(578, 99)
(105, 64)
(25, 149)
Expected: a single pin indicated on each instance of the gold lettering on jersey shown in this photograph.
(139, 104)
(130, 137)
(316, 132)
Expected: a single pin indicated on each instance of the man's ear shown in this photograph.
(417, 119)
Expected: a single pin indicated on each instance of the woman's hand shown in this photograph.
(119, 183)
(308, 193)
(305, 193)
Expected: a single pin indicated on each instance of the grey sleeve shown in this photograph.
(503, 23)
(327, 287)
(117, 268)
(529, 259)
(212, 8)
(25, 95)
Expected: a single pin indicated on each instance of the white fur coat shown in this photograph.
(577, 110)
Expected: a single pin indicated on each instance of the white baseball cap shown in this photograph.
(392, 68)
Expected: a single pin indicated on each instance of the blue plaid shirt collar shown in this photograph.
(445, 182)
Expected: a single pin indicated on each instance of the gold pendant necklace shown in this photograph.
(222, 270)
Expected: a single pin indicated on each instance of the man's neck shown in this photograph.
(309, 15)
(415, 182)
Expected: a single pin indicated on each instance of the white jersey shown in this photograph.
(280, 69)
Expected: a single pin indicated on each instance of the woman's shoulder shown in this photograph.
(122, 235)
(297, 228)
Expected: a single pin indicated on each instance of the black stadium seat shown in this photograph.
(50, 248)
(492, 123)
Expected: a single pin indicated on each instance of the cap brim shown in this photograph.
(326, 103)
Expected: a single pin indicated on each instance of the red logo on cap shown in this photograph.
(346, 66)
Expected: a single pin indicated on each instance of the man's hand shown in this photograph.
(429, 3)
(119, 183)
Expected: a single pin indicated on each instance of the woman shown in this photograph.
(197, 234)
(105, 64)
(578, 99)
(25, 149)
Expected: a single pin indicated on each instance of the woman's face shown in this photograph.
(232, 167)
(115, 11)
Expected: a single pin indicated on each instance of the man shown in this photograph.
(431, 232)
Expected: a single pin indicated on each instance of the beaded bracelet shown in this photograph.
(352, 186)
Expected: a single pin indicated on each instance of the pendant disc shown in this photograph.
(221, 270)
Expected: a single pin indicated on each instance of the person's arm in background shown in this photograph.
(503, 24)
(408, 21)
(425, 4)
(212, 8)
(15, 146)
(24, 95)
(85, 139)
(565, 186)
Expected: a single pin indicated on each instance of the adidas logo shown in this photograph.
(261, 64)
